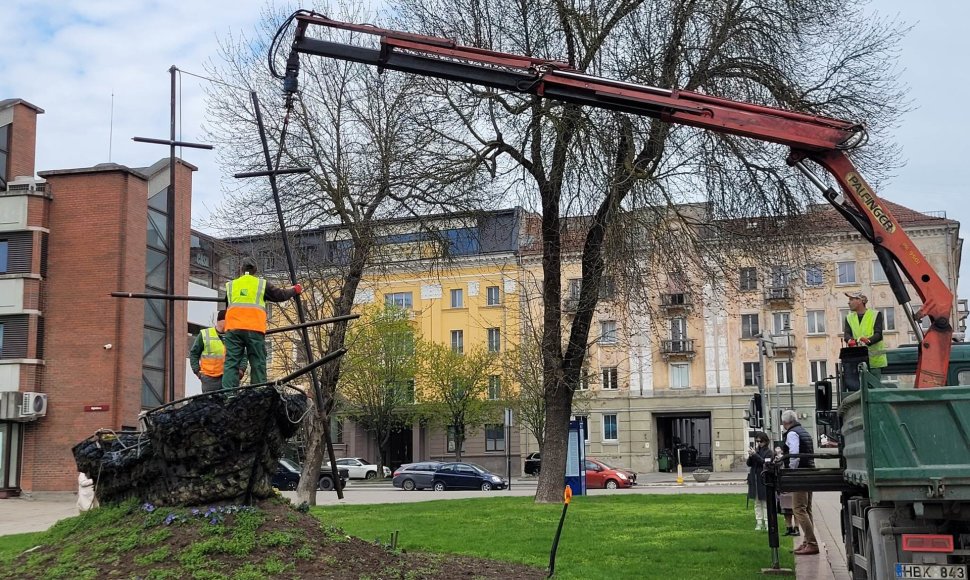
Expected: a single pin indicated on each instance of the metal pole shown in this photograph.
(301, 314)
(169, 297)
(170, 208)
(312, 323)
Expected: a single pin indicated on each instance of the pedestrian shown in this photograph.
(245, 336)
(208, 355)
(758, 455)
(85, 493)
(863, 327)
(798, 441)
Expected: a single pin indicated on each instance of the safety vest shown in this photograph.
(246, 308)
(213, 357)
(865, 327)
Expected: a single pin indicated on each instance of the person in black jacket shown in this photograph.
(757, 456)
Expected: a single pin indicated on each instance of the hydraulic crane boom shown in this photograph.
(822, 140)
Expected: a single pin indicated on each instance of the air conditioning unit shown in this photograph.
(33, 405)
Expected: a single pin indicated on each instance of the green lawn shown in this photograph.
(668, 537)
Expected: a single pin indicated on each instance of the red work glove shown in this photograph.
(298, 289)
(851, 342)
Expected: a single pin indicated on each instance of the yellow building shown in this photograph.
(676, 363)
(674, 367)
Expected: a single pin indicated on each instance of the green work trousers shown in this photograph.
(243, 345)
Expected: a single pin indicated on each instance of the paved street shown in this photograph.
(40, 512)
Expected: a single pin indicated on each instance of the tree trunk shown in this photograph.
(551, 477)
(306, 490)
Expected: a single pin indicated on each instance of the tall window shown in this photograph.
(749, 325)
(575, 286)
(780, 276)
(888, 318)
(4, 155)
(399, 300)
(458, 341)
(608, 332)
(878, 274)
(494, 387)
(749, 279)
(843, 314)
(818, 369)
(4, 255)
(783, 374)
(610, 379)
(815, 319)
(494, 340)
(607, 288)
(611, 431)
(782, 322)
(845, 273)
(678, 328)
(495, 437)
(584, 380)
(156, 281)
(680, 375)
(457, 300)
(814, 275)
(492, 296)
(752, 374)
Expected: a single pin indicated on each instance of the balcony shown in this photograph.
(675, 303)
(570, 303)
(682, 348)
(784, 344)
(779, 296)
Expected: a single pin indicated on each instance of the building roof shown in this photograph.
(5, 103)
(826, 215)
(141, 172)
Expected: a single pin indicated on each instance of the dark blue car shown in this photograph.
(466, 476)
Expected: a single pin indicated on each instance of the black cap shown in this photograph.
(249, 267)
(221, 315)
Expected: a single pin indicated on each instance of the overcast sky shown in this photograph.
(69, 56)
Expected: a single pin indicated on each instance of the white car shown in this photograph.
(360, 468)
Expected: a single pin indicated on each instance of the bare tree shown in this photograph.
(377, 386)
(453, 389)
(631, 174)
(370, 160)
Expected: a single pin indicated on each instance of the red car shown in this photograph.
(603, 475)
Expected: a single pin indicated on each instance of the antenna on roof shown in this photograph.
(111, 124)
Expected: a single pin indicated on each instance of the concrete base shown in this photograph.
(777, 571)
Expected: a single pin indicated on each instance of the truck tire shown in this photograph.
(325, 483)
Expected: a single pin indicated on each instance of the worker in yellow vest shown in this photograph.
(245, 336)
(863, 327)
(208, 355)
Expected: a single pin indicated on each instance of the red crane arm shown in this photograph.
(822, 140)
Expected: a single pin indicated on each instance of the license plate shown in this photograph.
(935, 571)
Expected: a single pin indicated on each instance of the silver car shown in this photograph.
(411, 476)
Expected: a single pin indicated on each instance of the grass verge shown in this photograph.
(633, 536)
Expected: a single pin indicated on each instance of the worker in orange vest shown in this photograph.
(208, 355)
(245, 335)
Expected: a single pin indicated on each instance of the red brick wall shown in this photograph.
(97, 245)
(23, 141)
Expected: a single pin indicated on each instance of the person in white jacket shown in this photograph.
(85, 493)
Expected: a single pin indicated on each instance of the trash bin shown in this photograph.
(663, 463)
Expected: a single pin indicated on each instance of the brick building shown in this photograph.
(69, 239)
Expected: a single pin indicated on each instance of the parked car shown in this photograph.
(413, 476)
(466, 476)
(288, 473)
(602, 475)
(533, 463)
(360, 468)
